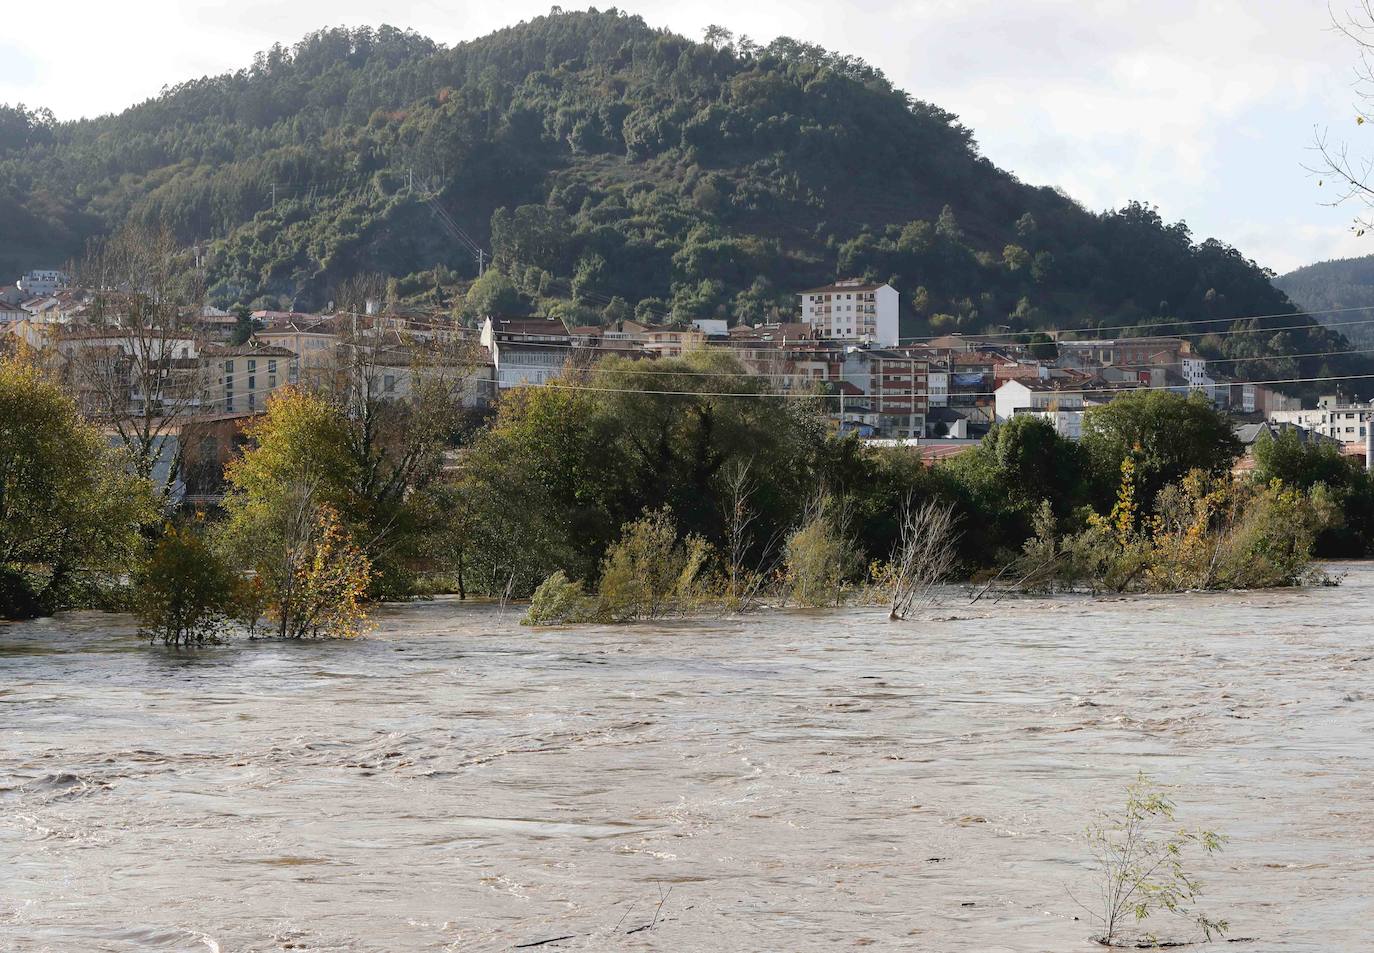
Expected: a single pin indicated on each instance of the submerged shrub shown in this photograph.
(183, 592)
(819, 557)
(1206, 532)
(1271, 542)
(558, 601)
(649, 571)
(1142, 859)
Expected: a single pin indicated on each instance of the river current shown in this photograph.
(787, 782)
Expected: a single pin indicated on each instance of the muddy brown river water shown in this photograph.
(795, 781)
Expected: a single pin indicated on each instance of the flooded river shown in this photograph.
(797, 781)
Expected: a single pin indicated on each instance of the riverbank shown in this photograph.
(803, 780)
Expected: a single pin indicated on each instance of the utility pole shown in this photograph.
(481, 262)
(274, 195)
(410, 180)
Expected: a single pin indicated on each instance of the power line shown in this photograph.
(891, 395)
(1166, 322)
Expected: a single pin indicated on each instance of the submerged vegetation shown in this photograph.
(624, 492)
(1144, 869)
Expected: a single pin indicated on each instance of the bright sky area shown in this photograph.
(1205, 108)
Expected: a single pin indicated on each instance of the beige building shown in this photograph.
(313, 342)
(240, 379)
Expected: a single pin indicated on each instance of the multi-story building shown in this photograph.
(313, 340)
(1246, 398)
(852, 310)
(241, 379)
(1127, 353)
(526, 350)
(1333, 417)
(42, 283)
(937, 379)
(896, 385)
(1194, 371)
(1058, 401)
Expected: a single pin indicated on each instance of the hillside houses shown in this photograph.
(843, 348)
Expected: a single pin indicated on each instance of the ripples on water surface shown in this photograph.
(800, 781)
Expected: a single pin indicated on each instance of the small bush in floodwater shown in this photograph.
(649, 572)
(819, 556)
(183, 592)
(558, 601)
(1141, 862)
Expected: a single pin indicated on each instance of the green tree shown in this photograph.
(70, 513)
(492, 295)
(1165, 434)
(651, 570)
(183, 590)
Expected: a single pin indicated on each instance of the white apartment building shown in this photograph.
(1033, 394)
(1341, 421)
(526, 351)
(852, 310)
(42, 283)
(1194, 371)
(938, 382)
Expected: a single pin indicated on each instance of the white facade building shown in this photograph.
(526, 351)
(852, 310)
(41, 283)
(1345, 422)
(938, 382)
(1033, 394)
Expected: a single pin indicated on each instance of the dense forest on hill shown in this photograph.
(611, 169)
(1334, 287)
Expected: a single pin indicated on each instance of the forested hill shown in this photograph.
(1333, 287)
(611, 168)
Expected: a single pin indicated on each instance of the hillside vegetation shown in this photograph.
(1333, 287)
(612, 169)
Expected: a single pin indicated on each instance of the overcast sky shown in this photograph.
(1205, 108)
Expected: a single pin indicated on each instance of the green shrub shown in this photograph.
(649, 571)
(558, 601)
(182, 593)
(819, 557)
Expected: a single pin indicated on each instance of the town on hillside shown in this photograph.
(939, 394)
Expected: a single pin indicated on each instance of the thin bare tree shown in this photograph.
(1351, 178)
(924, 557)
(744, 586)
(133, 363)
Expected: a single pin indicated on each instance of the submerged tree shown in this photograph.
(925, 556)
(70, 513)
(183, 591)
(285, 522)
(1143, 869)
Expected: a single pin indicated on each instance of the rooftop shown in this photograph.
(846, 285)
